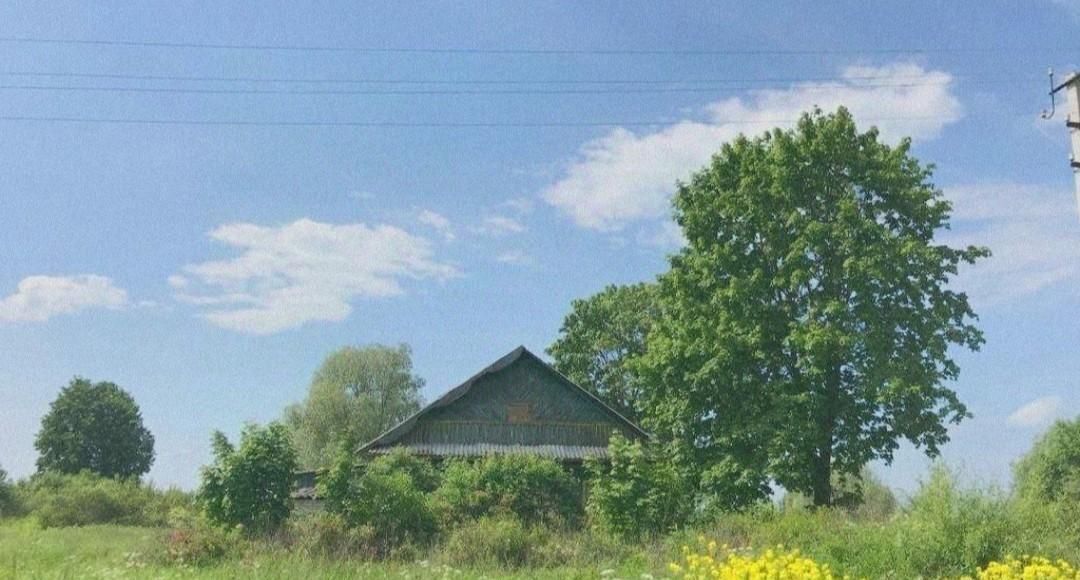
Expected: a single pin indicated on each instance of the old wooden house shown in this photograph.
(518, 404)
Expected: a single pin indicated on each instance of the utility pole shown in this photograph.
(1071, 86)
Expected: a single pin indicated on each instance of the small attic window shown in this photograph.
(518, 413)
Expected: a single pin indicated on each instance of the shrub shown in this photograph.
(494, 541)
(638, 492)
(328, 535)
(196, 542)
(948, 530)
(60, 500)
(250, 485)
(382, 495)
(534, 489)
(424, 475)
(10, 501)
(1050, 472)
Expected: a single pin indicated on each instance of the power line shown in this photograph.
(518, 51)
(855, 80)
(294, 80)
(400, 92)
(420, 124)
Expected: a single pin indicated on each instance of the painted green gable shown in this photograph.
(519, 404)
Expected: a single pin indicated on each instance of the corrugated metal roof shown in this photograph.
(563, 452)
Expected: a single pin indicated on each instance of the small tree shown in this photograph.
(600, 339)
(639, 491)
(356, 394)
(1050, 472)
(9, 503)
(94, 427)
(249, 485)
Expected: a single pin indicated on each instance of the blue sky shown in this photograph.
(209, 268)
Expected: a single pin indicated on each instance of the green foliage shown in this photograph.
(808, 322)
(947, 530)
(495, 541)
(83, 499)
(423, 473)
(10, 500)
(329, 535)
(865, 497)
(639, 492)
(600, 339)
(94, 427)
(381, 495)
(250, 485)
(1050, 472)
(355, 395)
(534, 489)
(197, 542)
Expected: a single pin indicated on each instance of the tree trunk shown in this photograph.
(822, 467)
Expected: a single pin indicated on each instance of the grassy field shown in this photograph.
(27, 551)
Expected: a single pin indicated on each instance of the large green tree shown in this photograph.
(600, 339)
(355, 395)
(94, 427)
(808, 320)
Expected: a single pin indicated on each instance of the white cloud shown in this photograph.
(499, 225)
(624, 176)
(304, 271)
(1036, 413)
(437, 222)
(514, 258)
(1032, 232)
(39, 298)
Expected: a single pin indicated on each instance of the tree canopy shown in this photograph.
(599, 340)
(808, 320)
(94, 427)
(355, 395)
(249, 484)
(1051, 470)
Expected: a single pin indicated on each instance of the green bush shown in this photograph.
(1050, 472)
(947, 530)
(61, 500)
(500, 541)
(197, 542)
(637, 492)
(423, 473)
(381, 495)
(250, 485)
(328, 535)
(534, 489)
(10, 501)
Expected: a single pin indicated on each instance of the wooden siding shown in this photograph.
(518, 403)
